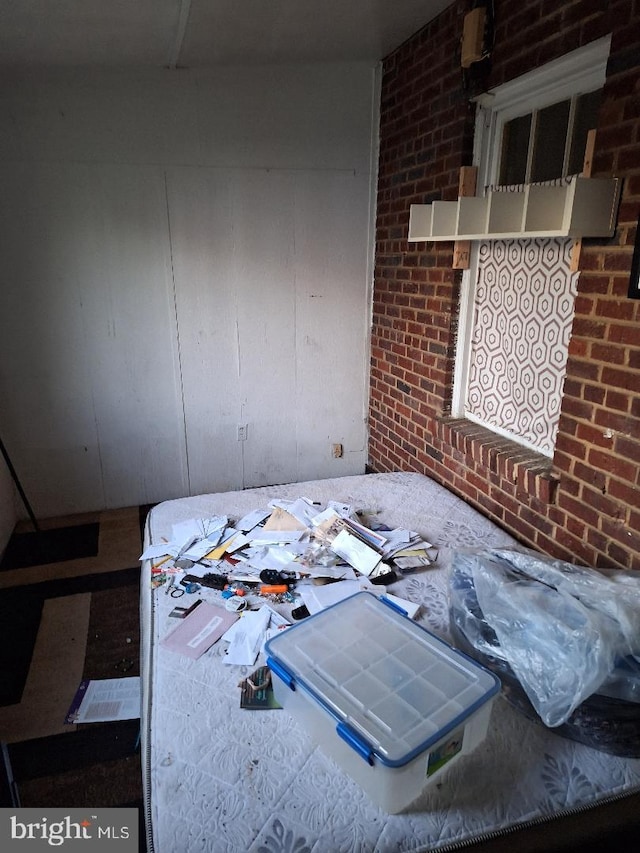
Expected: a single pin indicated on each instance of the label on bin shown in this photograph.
(444, 753)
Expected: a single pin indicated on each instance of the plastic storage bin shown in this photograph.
(388, 701)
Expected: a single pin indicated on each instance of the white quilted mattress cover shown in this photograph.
(220, 779)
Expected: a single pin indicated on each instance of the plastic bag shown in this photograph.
(564, 630)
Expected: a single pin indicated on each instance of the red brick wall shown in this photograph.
(585, 506)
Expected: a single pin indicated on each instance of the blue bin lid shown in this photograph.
(395, 686)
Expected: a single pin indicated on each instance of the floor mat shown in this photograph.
(20, 611)
(113, 637)
(51, 546)
(85, 747)
(92, 605)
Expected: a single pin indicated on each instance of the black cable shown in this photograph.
(13, 473)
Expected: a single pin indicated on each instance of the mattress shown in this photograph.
(218, 778)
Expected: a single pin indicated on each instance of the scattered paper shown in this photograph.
(199, 630)
(280, 519)
(316, 598)
(154, 551)
(325, 519)
(417, 561)
(198, 550)
(316, 544)
(106, 700)
(275, 537)
(343, 510)
(408, 607)
(371, 537)
(302, 509)
(231, 541)
(358, 554)
(247, 637)
(252, 519)
(200, 528)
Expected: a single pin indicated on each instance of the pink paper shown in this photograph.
(199, 630)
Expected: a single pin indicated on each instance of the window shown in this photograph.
(548, 143)
(527, 106)
(517, 299)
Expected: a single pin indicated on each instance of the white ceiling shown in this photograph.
(205, 33)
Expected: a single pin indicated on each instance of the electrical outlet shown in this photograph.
(336, 451)
(242, 432)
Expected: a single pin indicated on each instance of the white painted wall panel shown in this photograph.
(184, 252)
(265, 286)
(288, 117)
(202, 243)
(87, 353)
(306, 116)
(86, 116)
(47, 417)
(273, 325)
(129, 314)
(332, 321)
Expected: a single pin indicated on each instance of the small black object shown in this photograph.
(300, 612)
(385, 578)
(211, 580)
(183, 612)
(273, 576)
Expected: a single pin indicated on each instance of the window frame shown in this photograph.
(581, 71)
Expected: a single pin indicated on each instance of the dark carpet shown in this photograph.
(69, 753)
(37, 548)
(94, 765)
(21, 608)
(20, 611)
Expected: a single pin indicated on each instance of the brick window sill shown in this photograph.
(530, 472)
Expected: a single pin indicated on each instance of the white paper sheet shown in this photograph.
(106, 700)
(248, 636)
(355, 552)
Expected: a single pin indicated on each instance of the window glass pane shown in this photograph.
(515, 148)
(550, 140)
(586, 117)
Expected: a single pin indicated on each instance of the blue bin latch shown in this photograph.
(282, 673)
(356, 742)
